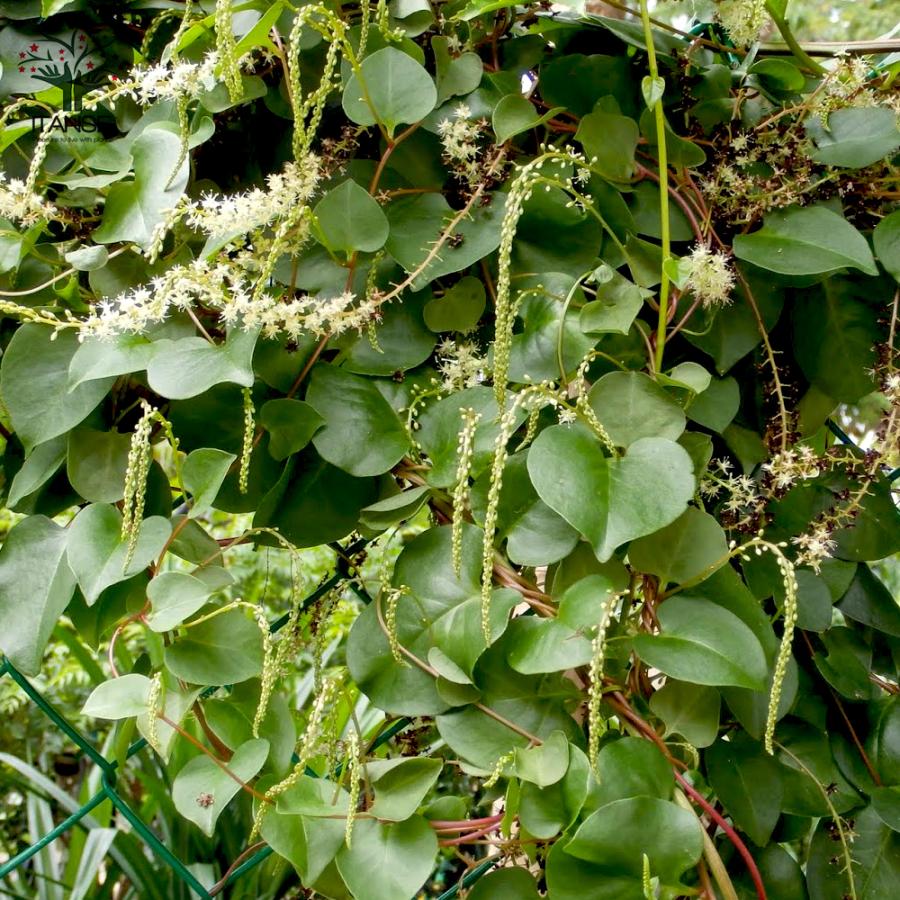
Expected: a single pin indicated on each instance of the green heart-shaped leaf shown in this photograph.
(35, 587)
(610, 501)
(393, 88)
(189, 366)
(703, 643)
(119, 698)
(97, 553)
(348, 218)
(202, 789)
(290, 423)
(401, 785)
(806, 241)
(615, 836)
(441, 611)
(224, 650)
(175, 596)
(134, 209)
(388, 862)
(34, 384)
(362, 434)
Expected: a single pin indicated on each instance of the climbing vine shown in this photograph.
(583, 329)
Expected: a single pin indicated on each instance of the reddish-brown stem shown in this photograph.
(211, 736)
(111, 650)
(884, 685)
(618, 702)
(247, 853)
(388, 150)
(499, 20)
(205, 750)
(855, 738)
(464, 824)
(421, 664)
(175, 532)
(699, 202)
(649, 343)
(690, 311)
(309, 364)
(556, 125)
(470, 836)
(489, 282)
(351, 266)
(403, 192)
(644, 172)
(730, 833)
(706, 887)
(873, 774)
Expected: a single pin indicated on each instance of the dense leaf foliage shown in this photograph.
(569, 316)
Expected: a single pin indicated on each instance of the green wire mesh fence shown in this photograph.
(109, 769)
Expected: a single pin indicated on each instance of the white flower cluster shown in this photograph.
(460, 364)
(891, 387)
(238, 214)
(179, 288)
(814, 546)
(172, 81)
(459, 136)
(849, 83)
(711, 280)
(19, 203)
(793, 465)
(222, 288)
(301, 315)
(742, 19)
(743, 504)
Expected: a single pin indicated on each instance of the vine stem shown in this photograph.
(621, 705)
(248, 852)
(660, 119)
(836, 818)
(468, 837)
(666, 26)
(464, 824)
(713, 860)
(421, 664)
(732, 835)
(644, 172)
(799, 53)
(391, 145)
(64, 274)
(784, 437)
(205, 750)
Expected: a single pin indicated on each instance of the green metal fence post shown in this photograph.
(152, 841)
(23, 857)
(108, 768)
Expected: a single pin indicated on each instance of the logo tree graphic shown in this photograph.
(67, 62)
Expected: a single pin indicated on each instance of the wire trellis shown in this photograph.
(109, 770)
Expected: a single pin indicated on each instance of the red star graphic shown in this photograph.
(21, 68)
(90, 65)
(33, 69)
(22, 54)
(34, 48)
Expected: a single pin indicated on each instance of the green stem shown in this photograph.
(560, 337)
(799, 53)
(660, 119)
